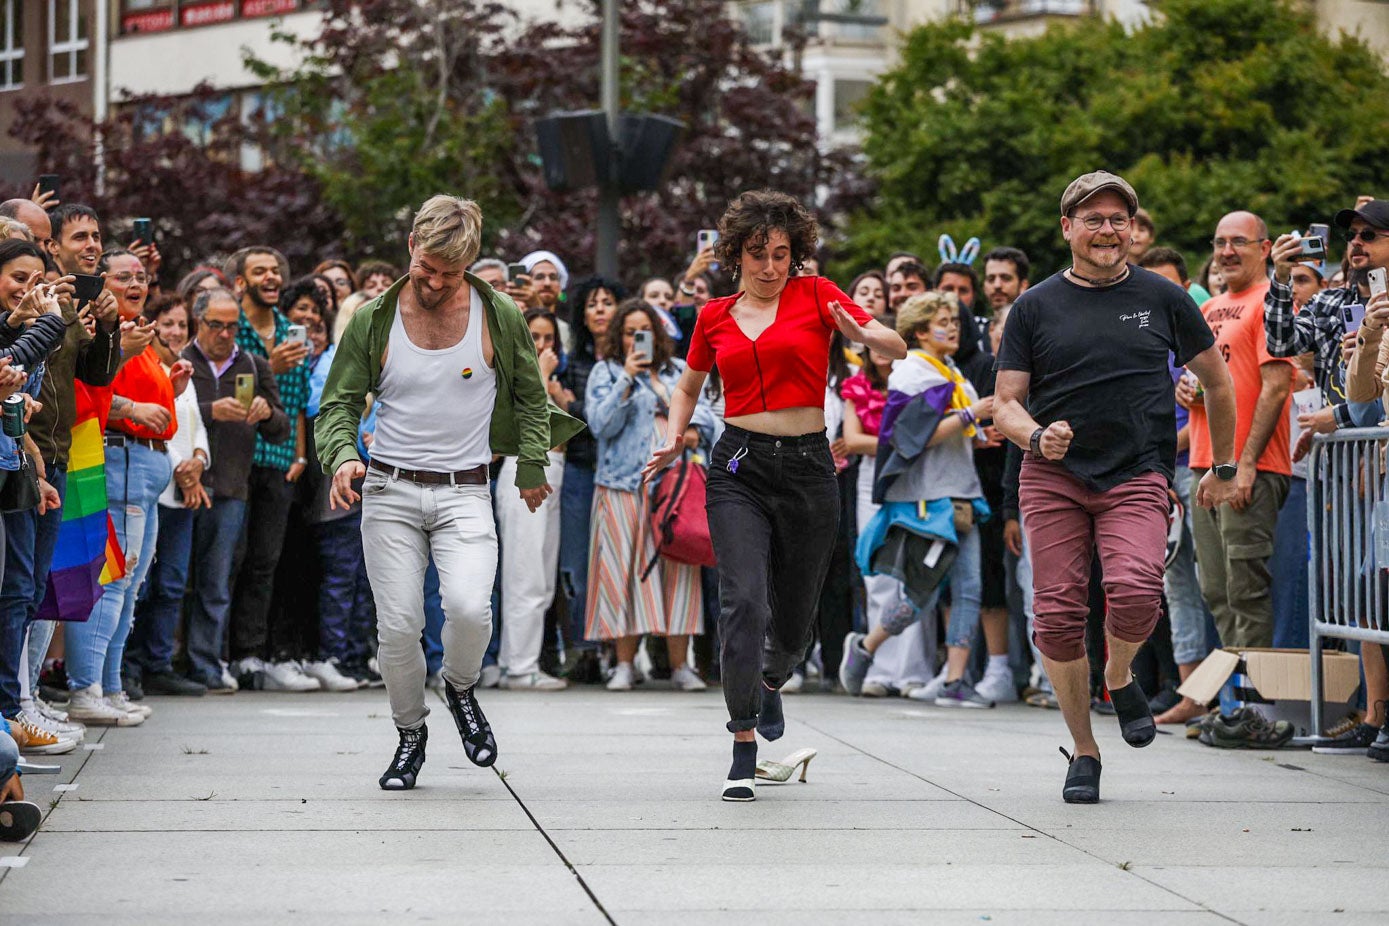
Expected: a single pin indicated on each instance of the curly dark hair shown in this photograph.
(660, 341)
(581, 341)
(751, 217)
(301, 288)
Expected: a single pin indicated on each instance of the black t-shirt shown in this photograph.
(1098, 360)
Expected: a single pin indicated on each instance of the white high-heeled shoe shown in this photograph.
(783, 770)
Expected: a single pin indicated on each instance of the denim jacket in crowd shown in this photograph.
(624, 422)
(9, 447)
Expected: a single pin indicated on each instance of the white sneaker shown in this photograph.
(686, 679)
(87, 706)
(623, 678)
(931, 690)
(434, 681)
(491, 676)
(33, 717)
(794, 684)
(997, 686)
(288, 676)
(908, 687)
(51, 712)
(229, 682)
(329, 676)
(121, 702)
(532, 681)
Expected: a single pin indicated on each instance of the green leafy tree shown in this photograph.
(1216, 105)
(397, 100)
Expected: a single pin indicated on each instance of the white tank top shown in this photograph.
(434, 407)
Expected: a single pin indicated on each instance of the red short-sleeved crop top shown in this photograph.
(788, 365)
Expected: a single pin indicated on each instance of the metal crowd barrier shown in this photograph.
(1348, 554)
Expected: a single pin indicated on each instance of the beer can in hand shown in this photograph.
(12, 413)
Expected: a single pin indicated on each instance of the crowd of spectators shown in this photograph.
(235, 573)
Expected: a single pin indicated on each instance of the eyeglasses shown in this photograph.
(1365, 234)
(1238, 244)
(231, 328)
(127, 276)
(1096, 222)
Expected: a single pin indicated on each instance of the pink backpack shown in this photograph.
(679, 524)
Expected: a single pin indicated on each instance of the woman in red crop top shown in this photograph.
(773, 501)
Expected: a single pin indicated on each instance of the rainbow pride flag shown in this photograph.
(88, 554)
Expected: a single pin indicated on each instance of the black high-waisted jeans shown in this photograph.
(772, 518)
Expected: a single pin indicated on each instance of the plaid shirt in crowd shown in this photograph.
(294, 393)
(1318, 326)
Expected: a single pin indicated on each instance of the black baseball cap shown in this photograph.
(1375, 213)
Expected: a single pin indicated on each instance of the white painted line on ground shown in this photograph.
(13, 861)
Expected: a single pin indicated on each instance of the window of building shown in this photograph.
(12, 44)
(848, 94)
(760, 19)
(67, 42)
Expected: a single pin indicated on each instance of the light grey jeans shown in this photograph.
(402, 525)
(1185, 606)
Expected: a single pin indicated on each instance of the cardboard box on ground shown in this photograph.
(1277, 683)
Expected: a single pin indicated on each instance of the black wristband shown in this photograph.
(1036, 441)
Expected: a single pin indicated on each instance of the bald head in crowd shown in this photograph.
(32, 215)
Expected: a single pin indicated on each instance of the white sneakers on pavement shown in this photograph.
(997, 686)
(88, 706)
(491, 676)
(623, 677)
(121, 701)
(686, 679)
(329, 677)
(532, 681)
(931, 690)
(289, 676)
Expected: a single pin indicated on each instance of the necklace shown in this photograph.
(1110, 281)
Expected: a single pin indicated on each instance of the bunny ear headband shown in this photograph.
(966, 255)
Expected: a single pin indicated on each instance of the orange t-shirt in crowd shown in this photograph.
(1237, 320)
(142, 379)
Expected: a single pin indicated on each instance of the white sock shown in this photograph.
(998, 665)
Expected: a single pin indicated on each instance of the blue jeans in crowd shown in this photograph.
(151, 646)
(28, 556)
(1185, 605)
(575, 512)
(95, 648)
(215, 534)
(346, 614)
(1289, 568)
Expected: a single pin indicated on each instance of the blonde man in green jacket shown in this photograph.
(453, 368)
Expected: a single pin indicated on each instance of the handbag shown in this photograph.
(679, 524)
(20, 490)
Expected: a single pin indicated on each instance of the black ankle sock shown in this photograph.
(744, 761)
(771, 722)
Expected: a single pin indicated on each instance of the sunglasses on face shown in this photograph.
(1365, 234)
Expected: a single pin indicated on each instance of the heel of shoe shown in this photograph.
(805, 767)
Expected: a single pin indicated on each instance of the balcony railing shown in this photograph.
(989, 11)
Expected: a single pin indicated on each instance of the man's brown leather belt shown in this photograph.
(125, 440)
(477, 476)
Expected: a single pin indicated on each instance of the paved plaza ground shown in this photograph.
(263, 808)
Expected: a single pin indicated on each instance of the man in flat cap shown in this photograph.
(1085, 388)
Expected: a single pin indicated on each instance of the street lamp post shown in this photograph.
(609, 222)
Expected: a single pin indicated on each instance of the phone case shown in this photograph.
(245, 388)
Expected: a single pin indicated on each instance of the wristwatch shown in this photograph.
(687, 288)
(1225, 471)
(1036, 442)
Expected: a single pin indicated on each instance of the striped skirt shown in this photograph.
(669, 603)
